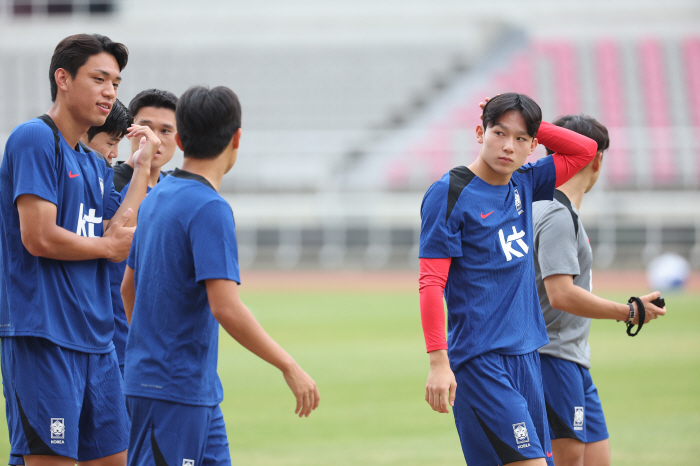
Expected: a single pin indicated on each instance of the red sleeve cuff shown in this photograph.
(572, 151)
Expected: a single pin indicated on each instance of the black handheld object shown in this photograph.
(642, 317)
(659, 302)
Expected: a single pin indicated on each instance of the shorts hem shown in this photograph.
(105, 452)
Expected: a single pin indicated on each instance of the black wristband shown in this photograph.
(640, 319)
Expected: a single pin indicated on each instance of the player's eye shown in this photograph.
(116, 85)
(99, 80)
(166, 131)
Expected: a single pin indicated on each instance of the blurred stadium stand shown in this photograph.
(352, 109)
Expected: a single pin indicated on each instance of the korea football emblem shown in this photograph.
(518, 204)
(578, 417)
(186, 462)
(102, 187)
(521, 435)
(58, 430)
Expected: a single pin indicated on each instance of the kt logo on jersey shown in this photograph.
(507, 244)
(87, 222)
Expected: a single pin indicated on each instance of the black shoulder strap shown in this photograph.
(49, 122)
(561, 197)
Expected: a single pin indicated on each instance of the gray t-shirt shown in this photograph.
(560, 249)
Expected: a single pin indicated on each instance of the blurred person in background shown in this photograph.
(154, 108)
(105, 139)
(563, 261)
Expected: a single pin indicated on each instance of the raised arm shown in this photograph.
(44, 238)
(567, 297)
(572, 151)
(240, 323)
(141, 159)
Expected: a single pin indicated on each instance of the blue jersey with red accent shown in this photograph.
(67, 302)
(491, 292)
(185, 235)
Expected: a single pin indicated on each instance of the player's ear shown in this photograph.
(597, 161)
(177, 140)
(480, 134)
(533, 145)
(236, 139)
(61, 76)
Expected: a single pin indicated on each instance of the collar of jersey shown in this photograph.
(177, 173)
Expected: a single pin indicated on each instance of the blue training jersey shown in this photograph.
(67, 302)
(491, 293)
(116, 274)
(185, 235)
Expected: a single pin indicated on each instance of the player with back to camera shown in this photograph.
(563, 261)
(155, 109)
(476, 247)
(181, 282)
(105, 139)
(60, 219)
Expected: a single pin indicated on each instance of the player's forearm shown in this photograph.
(135, 195)
(575, 300)
(55, 242)
(240, 323)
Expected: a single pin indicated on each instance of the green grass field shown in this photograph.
(365, 351)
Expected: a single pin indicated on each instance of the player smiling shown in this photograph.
(475, 246)
(60, 218)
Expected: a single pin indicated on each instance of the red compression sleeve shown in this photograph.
(572, 151)
(433, 278)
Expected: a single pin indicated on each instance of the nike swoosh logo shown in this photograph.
(71, 175)
(484, 216)
(549, 454)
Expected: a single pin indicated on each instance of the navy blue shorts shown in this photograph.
(62, 402)
(174, 434)
(499, 410)
(573, 406)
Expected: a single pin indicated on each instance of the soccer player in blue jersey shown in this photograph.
(563, 261)
(181, 282)
(105, 139)
(60, 220)
(476, 246)
(155, 109)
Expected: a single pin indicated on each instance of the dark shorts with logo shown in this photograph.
(164, 433)
(62, 402)
(573, 405)
(499, 410)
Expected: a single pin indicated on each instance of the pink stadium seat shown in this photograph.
(691, 61)
(612, 107)
(655, 88)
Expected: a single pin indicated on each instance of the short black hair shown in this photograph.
(521, 103)
(586, 125)
(152, 98)
(74, 51)
(116, 124)
(207, 120)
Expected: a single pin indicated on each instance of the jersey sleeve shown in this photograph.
(213, 240)
(32, 152)
(555, 243)
(438, 237)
